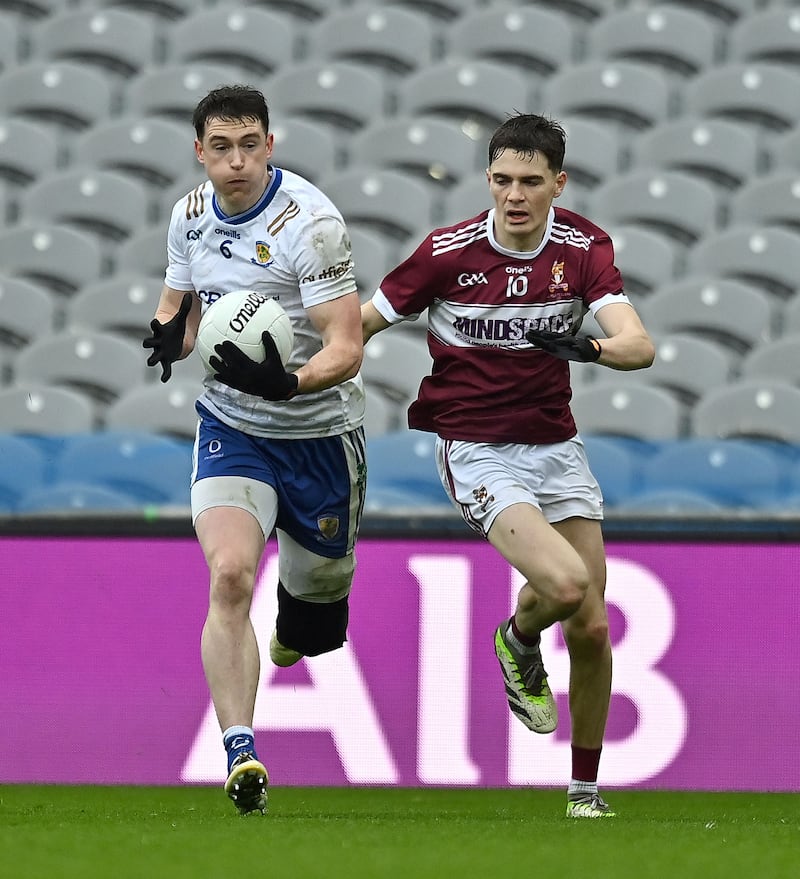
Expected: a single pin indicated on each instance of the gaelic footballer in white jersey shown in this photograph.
(291, 245)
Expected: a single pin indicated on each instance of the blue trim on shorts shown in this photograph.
(310, 476)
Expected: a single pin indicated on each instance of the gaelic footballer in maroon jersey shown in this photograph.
(506, 292)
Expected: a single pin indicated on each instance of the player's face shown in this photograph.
(235, 154)
(523, 188)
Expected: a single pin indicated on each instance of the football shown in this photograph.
(241, 317)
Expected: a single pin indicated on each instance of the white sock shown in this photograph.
(517, 644)
(236, 731)
(581, 787)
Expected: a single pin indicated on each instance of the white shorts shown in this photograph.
(482, 479)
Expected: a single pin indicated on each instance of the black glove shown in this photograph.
(167, 339)
(268, 379)
(584, 349)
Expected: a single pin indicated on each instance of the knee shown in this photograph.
(565, 589)
(231, 582)
(587, 638)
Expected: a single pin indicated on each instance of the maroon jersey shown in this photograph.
(488, 383)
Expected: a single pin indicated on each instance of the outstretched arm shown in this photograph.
(627, 345)
(372, 321)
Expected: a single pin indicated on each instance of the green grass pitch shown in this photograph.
(120, 832)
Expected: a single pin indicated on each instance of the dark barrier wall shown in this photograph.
(100, 664)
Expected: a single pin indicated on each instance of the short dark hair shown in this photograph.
(231, 102)
(528, 133)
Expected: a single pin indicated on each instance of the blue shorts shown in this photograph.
(320, 482)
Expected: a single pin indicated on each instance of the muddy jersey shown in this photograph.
(488, 383)
(291, 245)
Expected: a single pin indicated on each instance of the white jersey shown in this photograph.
(291, 245)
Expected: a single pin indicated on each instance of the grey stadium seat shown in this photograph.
(436, 149)
(757, 408)
(583, 11)
(790, 315)
(783, 150)
(27, 311)
(628, 93)
(382, 413)
(388, 201)
(726, 310)
(123, 303)
(342, 94)
(623, 408)
(58, 257)
(720, 150)
(102, 202)
(67, 95)
(256, 40)
(766, 35)
(163, 408)
(392, 38)
(373, 256)
(305, 147)
(677, 40)
(476, 94)
(28, 149)
(686, 364)
(646, 259)
(673, 203)
(762, 94)
(145, 252)
(117, 41)
(157, 150)
(467, 199)
(771, 199)
(593, 152)
(173, 90)
(778, 360)
(99, 364)
(397, 362)
(45, 410)
(503, 34)
(767, 256)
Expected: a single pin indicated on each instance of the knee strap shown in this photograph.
(309, 627)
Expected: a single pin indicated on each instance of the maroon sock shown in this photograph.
(527, 640)
(585, 762)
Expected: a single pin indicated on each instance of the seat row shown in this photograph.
(683, 39)
(133, 471)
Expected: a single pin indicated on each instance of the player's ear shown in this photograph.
(198, 151)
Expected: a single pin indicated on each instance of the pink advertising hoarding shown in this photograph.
(100, 668)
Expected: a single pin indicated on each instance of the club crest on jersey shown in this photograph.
(328, 526)
(263, 256)
(557, 281)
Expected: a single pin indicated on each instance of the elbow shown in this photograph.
(648, 353)
(352, 360)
